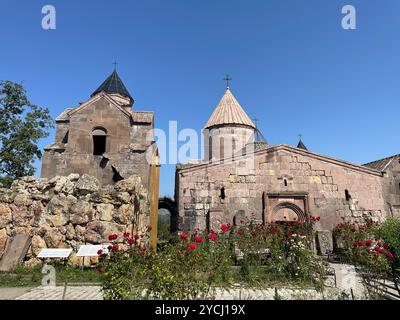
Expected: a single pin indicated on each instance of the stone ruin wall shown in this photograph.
(198, 189)
(66, 212)
(127, 142)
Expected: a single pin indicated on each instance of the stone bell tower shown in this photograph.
(103, 137)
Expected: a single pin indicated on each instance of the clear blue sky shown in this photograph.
(293, 65)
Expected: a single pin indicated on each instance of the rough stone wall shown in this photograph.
(391, 186)
(286, 173)
(66, 212)
(126, 144)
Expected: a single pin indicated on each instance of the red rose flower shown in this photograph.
(376, 254)
(389, 256)
(126, 235)
(184, 236)
(112, 237)
(213, 236)
(115, 247)
(379, 244)
(386, 246)
(100, 252)
(355, 244)
(369, 251)
(109, 247)
(192, 246)
(369, 242)
(318, 218)
(198, 239)
(131, 241)
(136, 237)
(224, 227)
(361, 243)
(149, 228)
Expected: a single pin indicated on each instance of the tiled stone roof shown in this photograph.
(381, 164)
(64, 116)
(113, 84)
(229, 111)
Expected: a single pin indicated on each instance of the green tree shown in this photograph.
(22, 125)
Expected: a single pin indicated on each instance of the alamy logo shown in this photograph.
(49, 20)
(49, 278)
(349, 20)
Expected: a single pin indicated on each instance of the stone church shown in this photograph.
(102, 137)
(242, 176)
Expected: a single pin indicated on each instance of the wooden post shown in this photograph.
(154, 193)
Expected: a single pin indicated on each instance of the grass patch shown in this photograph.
(32, 277)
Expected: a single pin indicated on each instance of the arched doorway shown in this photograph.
(167, 216)
(287, 212)
(285, 207)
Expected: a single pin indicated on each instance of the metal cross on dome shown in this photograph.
(255, 120)
(115, 63)
(227, 79)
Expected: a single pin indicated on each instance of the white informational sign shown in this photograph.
(54, 253)
(91, 250)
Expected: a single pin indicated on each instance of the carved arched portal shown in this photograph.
(285, 207)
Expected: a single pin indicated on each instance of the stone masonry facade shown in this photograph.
(274, 184)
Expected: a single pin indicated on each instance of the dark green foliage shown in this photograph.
(389, 231)
(22, 125)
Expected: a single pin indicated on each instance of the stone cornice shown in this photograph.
(282, 147)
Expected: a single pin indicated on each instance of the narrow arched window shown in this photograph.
(347, 195)
(221, 148)
(285, 182)
(222, 195)
(210, 148)
(99, 141)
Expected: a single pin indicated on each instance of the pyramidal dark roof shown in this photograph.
(258, 137)
(113, 84)
(301, 145)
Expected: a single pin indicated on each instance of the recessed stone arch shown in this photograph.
(287, 211)
(291, 204)
(170, 205)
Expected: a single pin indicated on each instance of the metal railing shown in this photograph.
(386, 288)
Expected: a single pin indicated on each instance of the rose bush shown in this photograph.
(185, 269)
(389, 231)
(279, 250)
(363, 247)
(193, 264)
